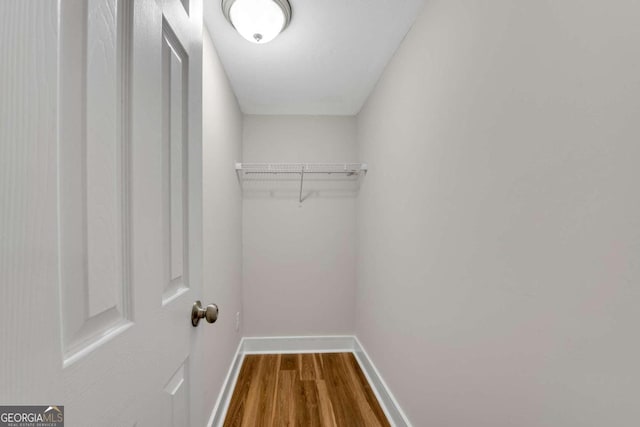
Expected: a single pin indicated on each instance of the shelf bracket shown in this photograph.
(301, 182)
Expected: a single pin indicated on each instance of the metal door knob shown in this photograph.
(197, 312)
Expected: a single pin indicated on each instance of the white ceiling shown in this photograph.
(326, 62)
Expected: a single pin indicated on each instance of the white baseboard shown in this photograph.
(389, 404)
(311, 344)
(224, 398)
(308, 344)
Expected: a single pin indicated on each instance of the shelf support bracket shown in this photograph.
(301, 182)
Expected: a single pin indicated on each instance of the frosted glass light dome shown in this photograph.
(258, 21)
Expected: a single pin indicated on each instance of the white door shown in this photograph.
(101, 209)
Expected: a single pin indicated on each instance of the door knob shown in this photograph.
(210, 313)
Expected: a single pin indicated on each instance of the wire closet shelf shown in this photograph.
(300, 171)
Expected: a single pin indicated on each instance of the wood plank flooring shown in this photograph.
(304, 390)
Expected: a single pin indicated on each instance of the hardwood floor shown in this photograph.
(304, 390)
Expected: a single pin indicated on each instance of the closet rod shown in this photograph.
(355, 170)
(293, 168)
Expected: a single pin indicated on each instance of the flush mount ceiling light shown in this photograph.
(258, 21)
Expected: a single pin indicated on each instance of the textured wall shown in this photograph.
(499, 225)
(299, 260)
(222, 219)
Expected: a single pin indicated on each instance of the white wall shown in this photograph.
(499, 225)
(298, 261)
(222, 219)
